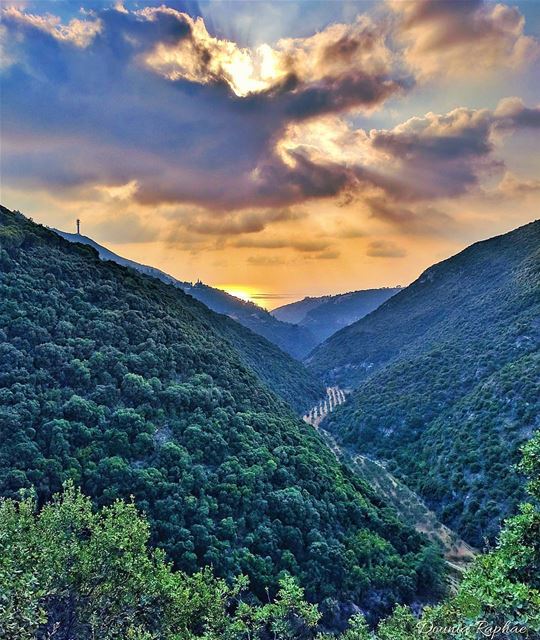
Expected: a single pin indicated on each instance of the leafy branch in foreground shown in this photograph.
(71, 572)
(68, 571)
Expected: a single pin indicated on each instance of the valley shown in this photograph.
(119, 381)
(409, 505)
(446, 379)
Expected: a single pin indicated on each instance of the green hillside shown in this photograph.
(129, 387)
(448, 380)
(294, 340)
(113, 585)
(281, 372)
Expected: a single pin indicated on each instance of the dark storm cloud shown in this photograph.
(82, 105)
(439, 156)
(343, 93)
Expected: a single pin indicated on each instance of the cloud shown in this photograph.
(150, 97)
(117, 192)
(349, 231)
(513, 187)
(303, 245)
(511, 113)
(329, 254)
(79, 33)
(385, 249)
(464, 38)
(234, 223)
(421, 160)
(263, 261)
(445, 155)
(436, 155)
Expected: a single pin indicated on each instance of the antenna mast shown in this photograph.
(78, 227)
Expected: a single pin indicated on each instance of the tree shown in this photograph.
(73, 572)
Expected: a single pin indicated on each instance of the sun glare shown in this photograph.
(237, 292)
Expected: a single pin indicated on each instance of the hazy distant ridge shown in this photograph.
(325, 315)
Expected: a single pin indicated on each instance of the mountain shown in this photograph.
(296, 341)
(328, 314)
(447, 378)
(283, 374)
(295, 312)
(129, 387)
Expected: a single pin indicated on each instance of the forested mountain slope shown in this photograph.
(281, 372)
(328, 314)
(129, 387)
(448, 379)
(342, 310)
(297, 341)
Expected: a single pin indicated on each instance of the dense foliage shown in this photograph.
(71, 572)
(296, 341)
(129, 387)
(448, 380)
(281, 372)
(328, 314)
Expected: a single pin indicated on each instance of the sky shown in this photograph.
(274, 149)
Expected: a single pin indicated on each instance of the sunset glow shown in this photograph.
(269, 302)
(237, 292)
(292, 149)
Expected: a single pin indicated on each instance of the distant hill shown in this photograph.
(325, 315)
(447, 378)
(295, 312)
(129, 387)
(297, 341)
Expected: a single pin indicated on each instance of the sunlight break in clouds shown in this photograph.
(310, 157)
(336, 51)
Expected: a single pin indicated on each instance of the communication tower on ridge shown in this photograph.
(78, 227)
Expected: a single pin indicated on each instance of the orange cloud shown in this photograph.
(462, 38)
(385, 249)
